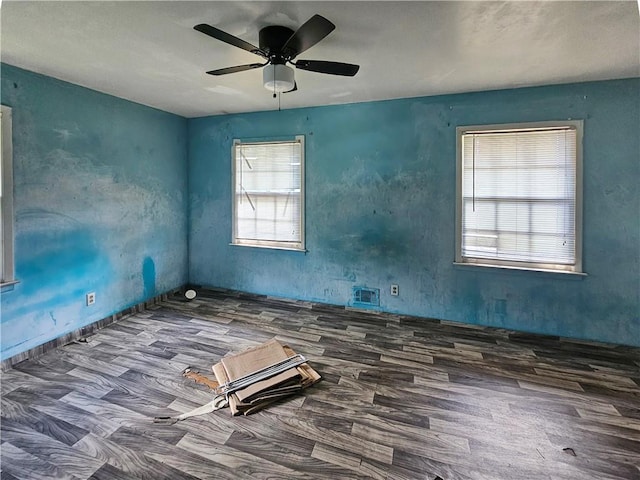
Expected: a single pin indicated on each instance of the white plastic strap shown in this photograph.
(262, 374)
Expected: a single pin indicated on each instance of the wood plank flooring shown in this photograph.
(401, 398)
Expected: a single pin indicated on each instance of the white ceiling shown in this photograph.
(149, 53)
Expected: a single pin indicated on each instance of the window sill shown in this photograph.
(555, 273)
(270, 247)
(8, 286)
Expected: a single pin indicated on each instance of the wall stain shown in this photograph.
(349, 274)
(149, 277)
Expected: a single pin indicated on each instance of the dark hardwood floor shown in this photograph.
(401, 398)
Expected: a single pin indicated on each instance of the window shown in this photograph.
(6, 197)
(519, 196)
(268, 191)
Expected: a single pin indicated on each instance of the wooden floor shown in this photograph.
(401, 398)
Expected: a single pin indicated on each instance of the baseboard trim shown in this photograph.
(84, 331)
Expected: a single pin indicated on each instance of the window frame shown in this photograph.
(270, 244)
(575, 268)
(7, 275)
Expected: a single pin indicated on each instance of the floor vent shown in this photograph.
(369, 297)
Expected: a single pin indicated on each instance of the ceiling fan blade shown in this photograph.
(228, 38)
(310, 33)
(238, 68)
(332, 68)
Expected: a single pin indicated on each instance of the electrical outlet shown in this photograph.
(91, 298)
(395, 290)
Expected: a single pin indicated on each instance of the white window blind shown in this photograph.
(269, 194)
(518, 204)
(6, 197)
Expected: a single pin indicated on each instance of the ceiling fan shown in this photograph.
(278, 46)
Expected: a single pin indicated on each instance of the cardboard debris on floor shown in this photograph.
(248, 381)
(261, 393)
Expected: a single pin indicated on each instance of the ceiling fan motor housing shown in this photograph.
(272, 39)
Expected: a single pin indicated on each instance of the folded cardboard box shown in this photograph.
(256, 396)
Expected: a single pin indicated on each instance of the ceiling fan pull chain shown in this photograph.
(274, 83)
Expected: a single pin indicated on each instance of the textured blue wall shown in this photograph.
(100, 200)
(100, 206)
(380, 180)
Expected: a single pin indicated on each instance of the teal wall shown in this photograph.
(380, 209)
(100, 206)
(103, 194)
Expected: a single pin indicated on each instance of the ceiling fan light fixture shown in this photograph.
(278, 78)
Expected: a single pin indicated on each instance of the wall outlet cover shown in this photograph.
(91, 298)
